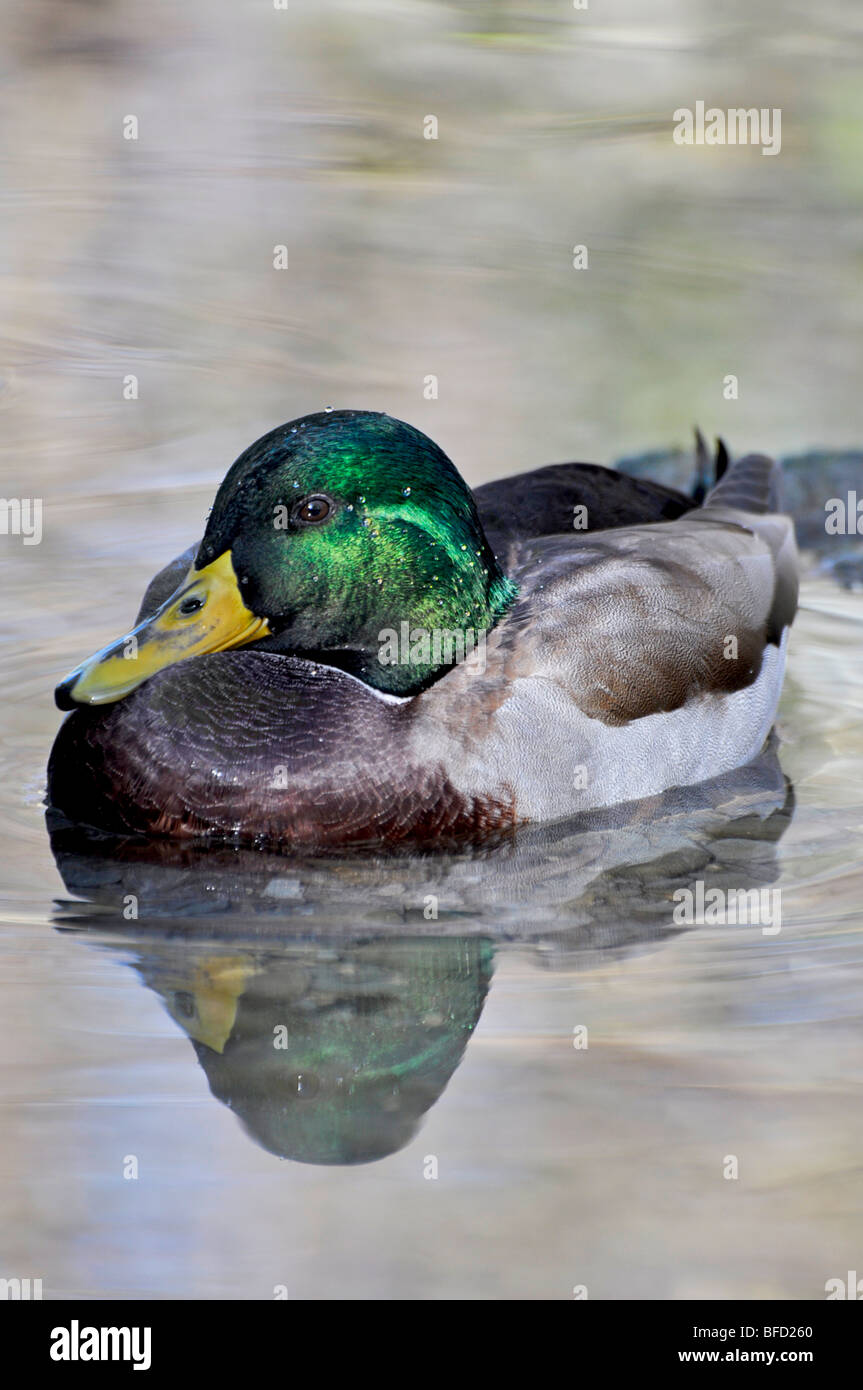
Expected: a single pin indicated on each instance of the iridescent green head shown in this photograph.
(345, 535)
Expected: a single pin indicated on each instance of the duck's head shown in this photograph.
(327, 536)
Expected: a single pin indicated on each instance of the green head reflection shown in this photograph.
(329, 1056)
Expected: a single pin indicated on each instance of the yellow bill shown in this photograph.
(205, 999)
(205, 614)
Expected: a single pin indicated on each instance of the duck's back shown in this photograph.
(566, 497)
(634, 660)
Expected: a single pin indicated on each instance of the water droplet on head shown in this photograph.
(406, 492)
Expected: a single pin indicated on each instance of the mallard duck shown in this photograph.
(361, 649)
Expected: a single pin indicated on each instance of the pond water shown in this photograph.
(549, 1085)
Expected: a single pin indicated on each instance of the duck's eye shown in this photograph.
(189, 606)
(184, 1003)
(313, 509)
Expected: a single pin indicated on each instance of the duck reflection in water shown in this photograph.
(330, 999)
(328, 1056)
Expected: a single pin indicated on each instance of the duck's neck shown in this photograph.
(418, 618)
(443, 625)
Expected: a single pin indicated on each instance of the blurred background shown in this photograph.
(410, 258)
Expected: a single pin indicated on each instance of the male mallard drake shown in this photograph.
(299, 676)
